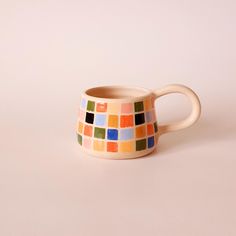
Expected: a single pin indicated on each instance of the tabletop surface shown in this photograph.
(51, 52)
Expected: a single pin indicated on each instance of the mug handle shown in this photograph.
(194, 115)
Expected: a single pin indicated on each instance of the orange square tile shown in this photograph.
(99, 145)
(113, 121)
(80, 128)
(126, 121)
(112, 146)
(153, 102)
(150, 129)
(148, 104)
(101, 107)
(141, 131)
(88, 130)
(154, 116)
(127, 146)
(156, 139)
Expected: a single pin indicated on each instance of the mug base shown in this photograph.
(118, 155)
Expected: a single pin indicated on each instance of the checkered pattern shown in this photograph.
(113, 127)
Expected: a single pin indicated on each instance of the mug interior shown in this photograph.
(117, 92)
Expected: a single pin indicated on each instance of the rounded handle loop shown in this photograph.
(196, 107)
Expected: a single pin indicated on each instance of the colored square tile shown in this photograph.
(139, 119)
(113, 108)
(153, 102)
(89, 118)
(80, 128)
(151, 142)
(113, 121)
(154, 118)
(99, 145)
(81, 115)
(127, 108)
(126, 121)
(140, 131)
(155, 127)
(112, 134)
(148, 104)
(127, 146)
(100, 119)
(90, 106)
(79, 138)
(87, 143)
(88, 130)
(83, 103)
(126, 134)
(138, 106)
(156, 139)
(112, 146)
(150, 129)
(101, 107)
(141, 144)
(99, 133)
(148, 116)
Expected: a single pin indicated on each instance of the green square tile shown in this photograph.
(99, 133)
(90, 106)
(79, 138)
(155, 127)
(141, 145)
(138, 106)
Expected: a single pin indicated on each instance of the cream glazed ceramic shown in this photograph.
(118, 122)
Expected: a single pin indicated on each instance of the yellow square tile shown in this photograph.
(127, 146)
(113, 108)
(80, 128)
(99, 145)
(113, 121)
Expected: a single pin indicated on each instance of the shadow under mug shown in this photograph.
(119, 122)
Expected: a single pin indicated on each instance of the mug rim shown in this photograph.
(146, 93)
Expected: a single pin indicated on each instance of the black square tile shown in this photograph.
(89, 118)
(139, 119)
(138, 106)
(141, 145)
(155, 127)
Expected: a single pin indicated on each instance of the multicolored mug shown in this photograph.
(119, 122)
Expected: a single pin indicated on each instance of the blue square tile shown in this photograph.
(83, 103)
(100, 119)
(151, 142)
(126, 134)
(112, 134)
(148, 116)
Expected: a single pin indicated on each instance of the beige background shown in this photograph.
(50, 51)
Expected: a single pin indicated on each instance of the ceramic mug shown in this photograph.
(119, 122)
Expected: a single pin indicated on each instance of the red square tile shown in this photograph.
(150, 129)
(112, 146)
(126, 121)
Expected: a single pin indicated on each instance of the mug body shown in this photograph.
(117, 122)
